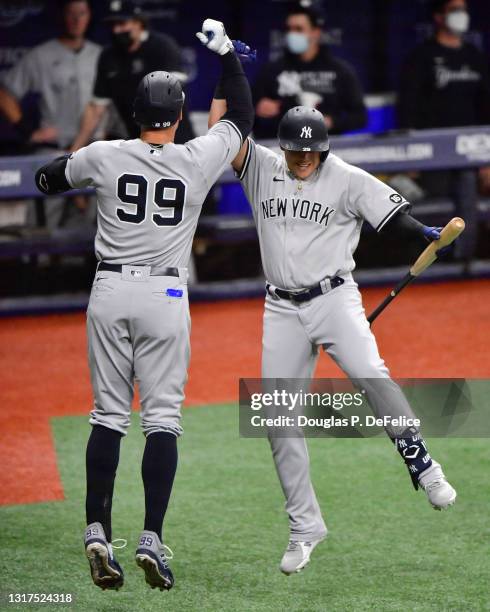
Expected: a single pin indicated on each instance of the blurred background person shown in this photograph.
(308, 74)
(62, 72)
(445, 80)
(445, 83)
(134, 52)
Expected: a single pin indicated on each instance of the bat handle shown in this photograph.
(406, 280)
(449, 234)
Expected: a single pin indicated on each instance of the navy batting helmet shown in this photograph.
(304, 129)
(159, 99)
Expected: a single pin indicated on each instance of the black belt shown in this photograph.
(154, 271)
(306, 294)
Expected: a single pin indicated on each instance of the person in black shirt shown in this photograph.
(307, 74)
(134, 52)
(445, 83)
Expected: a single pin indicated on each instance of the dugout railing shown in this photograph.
(458, 148)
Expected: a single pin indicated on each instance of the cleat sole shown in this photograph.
(103, 575)
(152, 575)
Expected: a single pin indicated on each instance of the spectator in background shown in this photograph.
(62, 72)
(308, 74)
(445, 83)
(133, 53)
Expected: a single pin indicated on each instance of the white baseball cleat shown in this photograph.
(440, 493)
(297, 555)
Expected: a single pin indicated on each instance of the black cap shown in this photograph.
(159, 100)
(304, 129)
(120, 10)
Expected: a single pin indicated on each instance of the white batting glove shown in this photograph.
(214, 37)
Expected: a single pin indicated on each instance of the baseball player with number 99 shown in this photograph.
(309, 207)
(149, 197)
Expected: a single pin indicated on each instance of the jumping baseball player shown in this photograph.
(149, 195)
(309, 207)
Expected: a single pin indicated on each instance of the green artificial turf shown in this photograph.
(387, 549)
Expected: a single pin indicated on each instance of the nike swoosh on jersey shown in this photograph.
(276, 180)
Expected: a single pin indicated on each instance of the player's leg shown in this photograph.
(158, 470)
(161, 358)
(346, 336)
(111, 370)
(287, 353)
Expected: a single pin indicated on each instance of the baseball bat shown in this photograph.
(448, 235)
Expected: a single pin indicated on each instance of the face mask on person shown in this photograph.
(297, 42)
(122, 40)
(458, 21)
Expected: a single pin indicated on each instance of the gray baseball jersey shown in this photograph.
(148, 203)
(308, 230)
(64, 79)
(149, 198)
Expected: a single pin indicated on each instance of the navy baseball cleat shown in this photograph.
(152, 557)
(106, 571)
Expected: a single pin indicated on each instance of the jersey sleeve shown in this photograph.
(214, 152)
(260, 163)
(81, 167)
(372, 200)
(23, 77)
(102, 90)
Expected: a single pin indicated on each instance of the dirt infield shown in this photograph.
(437, 330)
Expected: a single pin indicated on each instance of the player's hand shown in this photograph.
(244, 52)
(214, 37)
(434, 233)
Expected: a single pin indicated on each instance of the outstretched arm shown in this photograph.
(219, 106)
(234, 86)
(216, 112)
(404, 223)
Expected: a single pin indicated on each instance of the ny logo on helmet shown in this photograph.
(305, 132)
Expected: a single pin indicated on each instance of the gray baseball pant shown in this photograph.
(138, 333)
(292, 334)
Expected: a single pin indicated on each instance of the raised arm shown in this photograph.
(233, 98)
(219, 106)
(216, 112)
